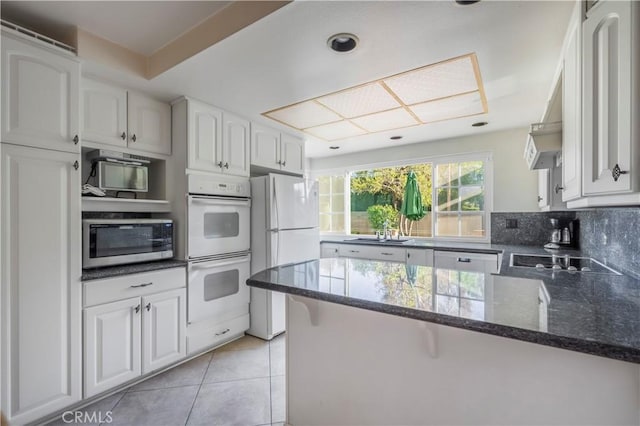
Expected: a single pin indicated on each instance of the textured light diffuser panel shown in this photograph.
(442, 91)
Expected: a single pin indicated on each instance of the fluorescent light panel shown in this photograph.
(441, 91)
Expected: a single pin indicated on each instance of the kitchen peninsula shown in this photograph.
(375, 342)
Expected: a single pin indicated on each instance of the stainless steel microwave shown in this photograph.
(107, 242)
(119, 175)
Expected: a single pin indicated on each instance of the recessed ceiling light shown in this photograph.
(480, 124)
(466, 2)
(343, 42)
(334, 147)
(395, 138)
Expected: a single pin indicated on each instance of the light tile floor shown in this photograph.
(241, 383)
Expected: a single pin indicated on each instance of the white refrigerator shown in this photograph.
(284, 229)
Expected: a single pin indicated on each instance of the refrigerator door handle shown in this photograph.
(275, 203)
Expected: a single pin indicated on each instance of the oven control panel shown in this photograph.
(219, 186)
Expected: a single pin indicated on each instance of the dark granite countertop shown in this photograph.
(425, 244)
(133, 268)
(591, 313)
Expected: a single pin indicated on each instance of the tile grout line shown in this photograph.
(114, 406)
(199, 387)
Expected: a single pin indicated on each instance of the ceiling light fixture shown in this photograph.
(466, 2)
(334, 147)
(343, 42)
(395, 138)
(480, 124)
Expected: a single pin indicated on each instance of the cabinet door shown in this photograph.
(235, 147)
(572, 115)
(544, 200)
(111, 345)
(164, 325)
(292, 154)
(40, 96)
(265, 147)
(41, 368)
(149, 123)
(104, 110)
(607, 54)
(205, 136)
(329, 250)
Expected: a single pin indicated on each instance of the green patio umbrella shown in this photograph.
(412, 207)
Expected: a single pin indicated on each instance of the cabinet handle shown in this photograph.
(354, 251)
(558, 188)
(142, 285)
(223, 332)
(279, 163)
(76, 139)
(123, 136)
(137, 309)
(386, 253)
(133, 138)
(226, 165)
(76, 165)
(219, 164)
(284, 164)
(464, 260)
(616, 172)
(539, 198)
(408, 255)
(148, 306)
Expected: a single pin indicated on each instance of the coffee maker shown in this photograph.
(561, 236)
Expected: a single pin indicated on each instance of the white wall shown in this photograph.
(515, 186)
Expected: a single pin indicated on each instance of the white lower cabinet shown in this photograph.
(126, 338)
(421, 257)
(329, 250)
(467, 261)
(391, 254)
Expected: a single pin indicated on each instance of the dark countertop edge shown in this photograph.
(132, 268)
(620, 353)
(423, 245)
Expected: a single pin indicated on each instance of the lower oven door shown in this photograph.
(218, 225)
(217, 286)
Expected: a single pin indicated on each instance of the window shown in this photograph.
(454, 192)
(331, 198)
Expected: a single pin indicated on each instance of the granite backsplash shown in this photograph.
(611, 235)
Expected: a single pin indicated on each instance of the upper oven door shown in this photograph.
(218, 225)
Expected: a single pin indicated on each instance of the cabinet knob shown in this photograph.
(616, 172)
(76, 139)
(539, 198)
(279, 163)
(76, 165)
(284, 163)
(148, 307)
(137, 309)
(557, 188)
(219, 164)
(226, 165)
(123, 136)
(133, 138)
(223, 332)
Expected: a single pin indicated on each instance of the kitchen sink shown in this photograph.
(560, 263)
(375, 240)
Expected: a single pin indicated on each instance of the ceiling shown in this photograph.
(283, 58)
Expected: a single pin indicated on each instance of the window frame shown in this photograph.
(485, 157)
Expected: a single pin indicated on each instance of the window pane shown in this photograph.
(472, 225)
(471, 198)
(325, 222)
(324, 184)
(448, 174)
(337, 222)
(448, 199)
(472, 173)
(325, 203)
(337, 205)
(337, 184)
(447, 224)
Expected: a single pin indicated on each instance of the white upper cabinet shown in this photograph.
(217, 141)
(610, 98)
(104, 109)
(235, 146)
(273, 150)
(572, 110)
(149, 124)
(41, 309)
(118, 118)
(40, 96)
(205, 136)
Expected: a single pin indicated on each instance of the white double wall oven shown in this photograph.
(218, 244)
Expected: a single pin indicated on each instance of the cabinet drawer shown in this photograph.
(201, 338)
(134, 285)
(392, 254)
(329, 250)
(464, 261)
(422, 257)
